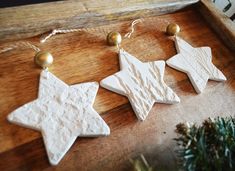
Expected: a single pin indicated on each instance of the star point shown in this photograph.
(62, 113)
(196, 63)
(142, 83)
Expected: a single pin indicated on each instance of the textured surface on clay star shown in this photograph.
(61, 113)
(196, 63)
(141, 82)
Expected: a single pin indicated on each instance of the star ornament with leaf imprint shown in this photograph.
(196, 63)
(61, 113)
(142, 83)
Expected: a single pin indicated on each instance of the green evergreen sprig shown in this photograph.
(209, 147)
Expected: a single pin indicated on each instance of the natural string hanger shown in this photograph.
(64, 31)
(132, 30)
(128, 35)
(19, 45)
(115, 38)
(170, 29)
(42, 58)
(60, 31)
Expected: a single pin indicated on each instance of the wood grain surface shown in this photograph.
(31, 20)
(84, 56)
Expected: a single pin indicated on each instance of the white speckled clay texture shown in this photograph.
(141, 82)
(62, 113)
(196, 63)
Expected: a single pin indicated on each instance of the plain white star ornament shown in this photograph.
(62, 113)
(196, 63)
(141, 82)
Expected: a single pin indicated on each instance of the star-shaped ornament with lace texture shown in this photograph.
(141, 82)
(196, 63)
(62, 113)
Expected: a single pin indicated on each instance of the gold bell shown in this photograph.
(114, 38)
(172, 29)
(43, 59)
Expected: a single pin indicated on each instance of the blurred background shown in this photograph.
(227, 7)
(11, 3)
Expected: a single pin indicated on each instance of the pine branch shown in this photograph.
(208, 147)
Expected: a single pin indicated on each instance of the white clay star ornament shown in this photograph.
(196, 63)
(61, 113)
(141, 82)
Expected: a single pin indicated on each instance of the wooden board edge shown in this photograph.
(220, 23)
(32, 20)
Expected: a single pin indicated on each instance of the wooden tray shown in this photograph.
(84, 56)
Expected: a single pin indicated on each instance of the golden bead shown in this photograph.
(43, 59)
(172, 29)
(114, 38)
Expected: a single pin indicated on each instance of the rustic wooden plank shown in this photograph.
(222, 24)
(85, 56)
(31, 20)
